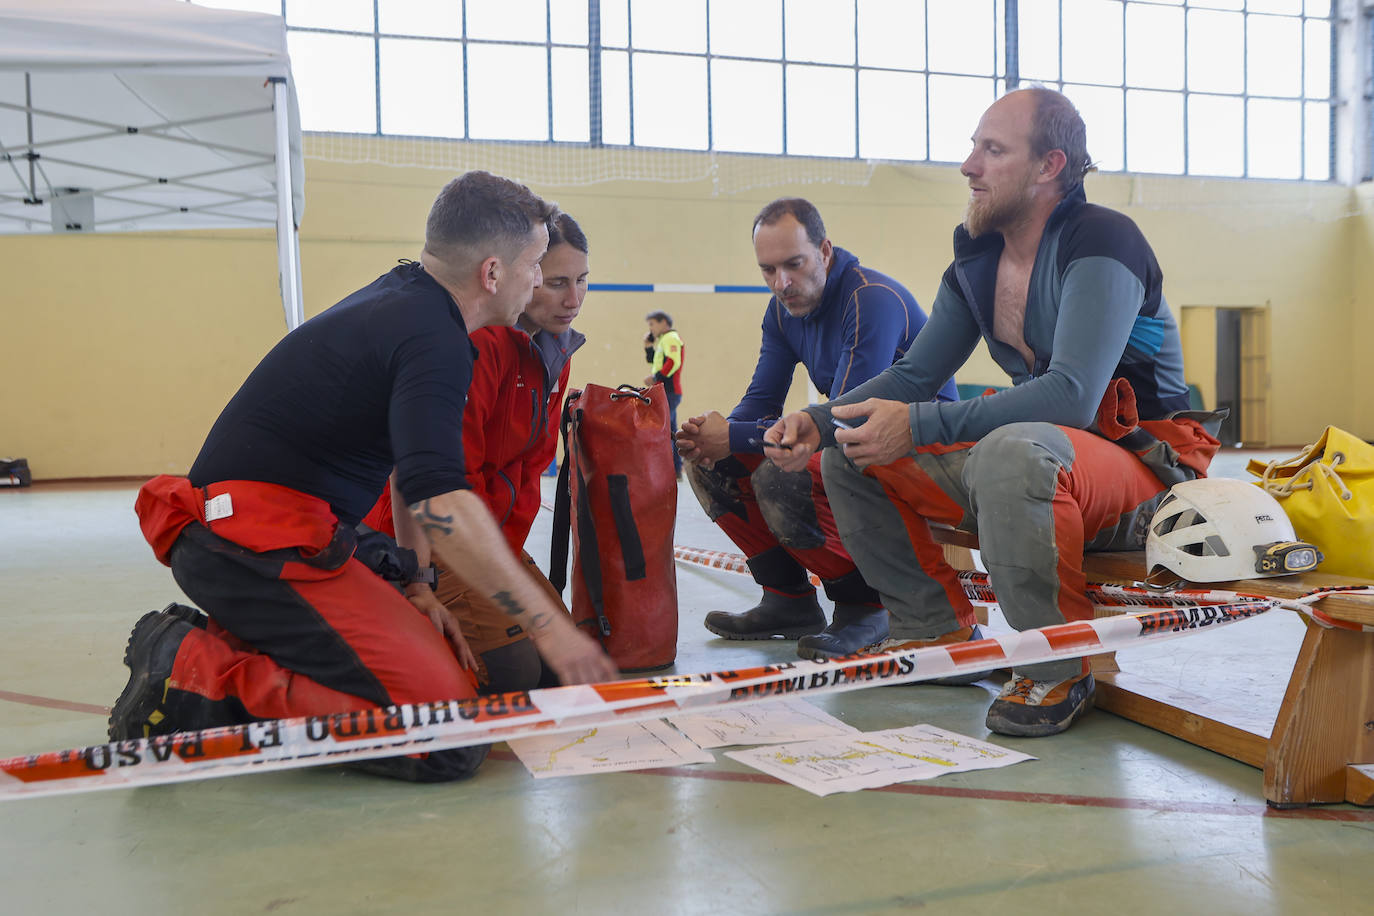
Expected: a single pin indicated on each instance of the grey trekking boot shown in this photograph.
(776, 614)
(853, 627)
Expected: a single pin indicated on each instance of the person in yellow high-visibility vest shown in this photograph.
(663, 348)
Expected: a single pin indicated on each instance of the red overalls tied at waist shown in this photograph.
(1177, 448)
(260, 517)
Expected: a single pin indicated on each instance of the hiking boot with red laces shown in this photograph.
(152, 650)
(1027, 708)
(963, 634)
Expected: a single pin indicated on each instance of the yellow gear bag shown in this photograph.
(1327, 491)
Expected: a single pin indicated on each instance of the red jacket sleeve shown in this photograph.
(487, 373)
(534, 462)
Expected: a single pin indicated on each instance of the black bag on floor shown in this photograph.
(14, 472)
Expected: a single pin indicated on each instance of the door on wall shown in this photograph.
(1226, 355)
(1242, 375)
(1254, 377)
(1228, 374)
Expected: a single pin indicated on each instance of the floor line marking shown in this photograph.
(1038, 798)
(50, 703)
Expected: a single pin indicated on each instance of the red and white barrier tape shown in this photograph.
(716, 559)
(428, 727)
(720, 559)
(978, 588)
(1307, 601)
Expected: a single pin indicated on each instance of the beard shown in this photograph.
(997, 209)
(809, 297)
(802, 305)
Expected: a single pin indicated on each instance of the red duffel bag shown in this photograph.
(617, 492)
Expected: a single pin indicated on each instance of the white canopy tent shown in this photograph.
(141, 115)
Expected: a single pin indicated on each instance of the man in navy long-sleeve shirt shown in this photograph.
(845, 323)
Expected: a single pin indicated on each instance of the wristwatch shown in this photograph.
(429, 575)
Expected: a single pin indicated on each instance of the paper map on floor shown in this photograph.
(607, 749)
(868, 760)
(761, 723)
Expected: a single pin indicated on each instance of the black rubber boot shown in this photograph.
(151, 651)
(194, 616)
(776, 614)
(854, 626)
(438, 766)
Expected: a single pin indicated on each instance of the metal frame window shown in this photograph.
(1204, 87)
(1238, 88)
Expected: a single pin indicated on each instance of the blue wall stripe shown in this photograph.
(654, 287)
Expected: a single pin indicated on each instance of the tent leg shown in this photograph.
(288, 241)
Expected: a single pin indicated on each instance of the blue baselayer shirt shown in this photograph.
(865, 321)
(375, 382)
(1095, 311)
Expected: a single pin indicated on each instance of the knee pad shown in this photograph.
(516, 666)
(717, 488)
(787, 506)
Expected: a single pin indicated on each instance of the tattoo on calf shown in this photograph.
(431, 522)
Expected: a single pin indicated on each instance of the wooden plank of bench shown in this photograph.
(959, 557)
(1185, 715)
(1359, 783)
(1319, 747)
(1129, 565)
(943, 534)
(1326, 721)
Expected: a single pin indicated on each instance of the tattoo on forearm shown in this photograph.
(430, 522)
(538, 620)
(508, 604)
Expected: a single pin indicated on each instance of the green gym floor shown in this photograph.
(1111, 817)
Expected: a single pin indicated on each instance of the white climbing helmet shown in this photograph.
(1216, 529)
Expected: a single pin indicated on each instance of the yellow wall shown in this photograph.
(119, 351)
(1197, 325)
(1362, 316)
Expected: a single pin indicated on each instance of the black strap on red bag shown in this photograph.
(589, 560)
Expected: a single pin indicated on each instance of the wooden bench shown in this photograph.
(1320, 748)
